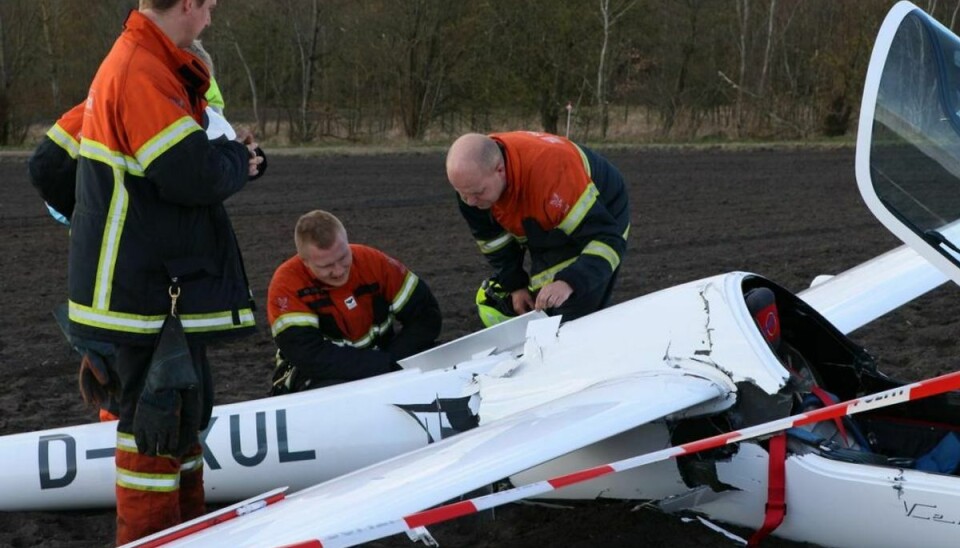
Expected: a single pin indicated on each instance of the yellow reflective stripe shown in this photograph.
(141, 481)
(215, 321)
(66, 141)
(167, 138)
(406, 290)
(489, 246)
(626, 232)
(367, 339)
(604, 251)
(541, 279)
(191, 464)
(301, 319)
(99, 152)
(136, 323)
(110, 241)
(579, 210)
(310, 320)
(583, 158)
(126, 443)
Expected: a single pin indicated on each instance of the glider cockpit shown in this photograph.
(825, 367)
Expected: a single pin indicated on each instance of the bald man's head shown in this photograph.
(476, 170)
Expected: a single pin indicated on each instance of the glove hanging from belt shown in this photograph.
(167, 419)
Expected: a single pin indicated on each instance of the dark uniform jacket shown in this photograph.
(150, 193)
(347, 332)
(53, 165)
(563, 202)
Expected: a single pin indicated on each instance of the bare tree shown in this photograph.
(16, 30)
(309, 53)
(261, 129)
(743, 18)
(49, 17)
(423, 47)
(766, 51)
(608, 18)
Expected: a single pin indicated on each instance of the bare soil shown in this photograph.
(788, 214)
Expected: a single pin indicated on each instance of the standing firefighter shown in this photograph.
(563, 202)
(149, 227)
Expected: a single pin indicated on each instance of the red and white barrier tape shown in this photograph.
(910, 392)
(209, 520)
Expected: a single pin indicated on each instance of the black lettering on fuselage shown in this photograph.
(285, 454)
(212, 462)
(70, 449)
(235, 448)
(49, 443)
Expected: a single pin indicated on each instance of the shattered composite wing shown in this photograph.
(441, 471)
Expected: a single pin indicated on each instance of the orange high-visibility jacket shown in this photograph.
(347, 332)
(563, 202)
(150, 192)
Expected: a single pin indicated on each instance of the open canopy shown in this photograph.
(908, 149)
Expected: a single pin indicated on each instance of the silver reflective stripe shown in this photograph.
(135, 323)
(406, 290)
(139, 481)
(604, 251)
(301, 319)
(66, 141)
(580, 209)
(583, 158)
(191, 464)
(489, 246)
(167, 138)
(125, 442)
(544, 277)
(368, 338)
(99, 152)
(110, 244)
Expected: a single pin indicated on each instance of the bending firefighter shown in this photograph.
(564, 203)
(333, 307)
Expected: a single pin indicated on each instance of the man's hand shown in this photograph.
(245, 137)
(553, 295)
(96, 382)
(522, 301)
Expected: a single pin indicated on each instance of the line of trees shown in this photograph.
(308, 71)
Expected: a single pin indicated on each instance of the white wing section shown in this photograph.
(862, 294)
(444, 470)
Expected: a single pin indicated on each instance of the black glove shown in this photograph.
(170, 393)
(191, 412)
(262, 167)
(156, 424)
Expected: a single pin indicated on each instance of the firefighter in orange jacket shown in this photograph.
(53, 172)
(333, 306)
(561, 201)
(149, 222)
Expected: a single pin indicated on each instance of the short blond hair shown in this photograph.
(319, 228)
